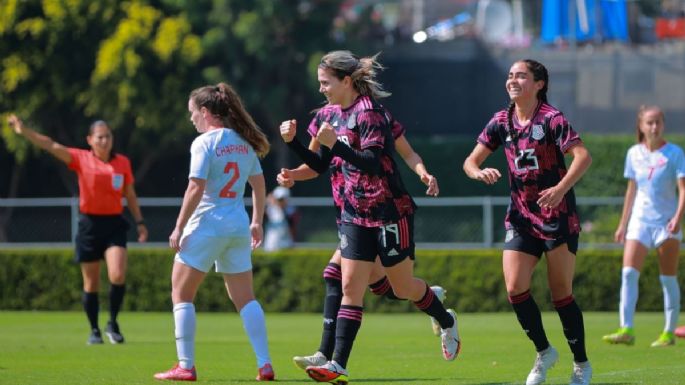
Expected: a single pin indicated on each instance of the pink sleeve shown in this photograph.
(490, 137)
(564, 134)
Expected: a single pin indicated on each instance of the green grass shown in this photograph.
(49, 348)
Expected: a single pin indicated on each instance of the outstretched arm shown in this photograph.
(42, 141)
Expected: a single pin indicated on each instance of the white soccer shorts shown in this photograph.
(230, 254)
(649, 235)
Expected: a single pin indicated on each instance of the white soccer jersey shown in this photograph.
(225, 161)
(656, 175)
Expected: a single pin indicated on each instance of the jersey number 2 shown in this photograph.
(226, 191)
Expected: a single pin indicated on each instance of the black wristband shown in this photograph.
(140, 222)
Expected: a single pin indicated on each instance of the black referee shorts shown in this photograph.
(96, 233)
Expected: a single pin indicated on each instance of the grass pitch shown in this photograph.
(49, 348)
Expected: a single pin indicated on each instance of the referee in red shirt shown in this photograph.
(104, 177)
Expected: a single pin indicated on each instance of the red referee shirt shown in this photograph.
(100, 184)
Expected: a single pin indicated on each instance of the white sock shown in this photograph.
(629, 294)
(255, 326)
(184, 318)
(669, 284)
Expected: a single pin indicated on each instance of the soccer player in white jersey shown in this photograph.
(651, 217)
(213, 227)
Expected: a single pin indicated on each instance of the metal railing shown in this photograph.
(449, 222)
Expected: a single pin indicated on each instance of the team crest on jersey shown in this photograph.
(352, 121)
(117, 181)
(538, 132)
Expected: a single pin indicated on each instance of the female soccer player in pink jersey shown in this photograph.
(651, 218)
(376, 217)
(104, 177)
(213, 227)
(542, 215)
(378, 283)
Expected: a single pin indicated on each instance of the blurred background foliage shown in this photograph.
(66, 63)
(133, 63)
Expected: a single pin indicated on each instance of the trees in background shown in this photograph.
(64, 64)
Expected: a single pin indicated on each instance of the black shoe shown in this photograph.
(113, 333)
(95, 337)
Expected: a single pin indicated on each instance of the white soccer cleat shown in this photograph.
(316, 359)
(441, 294)
(544, 360)
(582, 373)
(451, 344)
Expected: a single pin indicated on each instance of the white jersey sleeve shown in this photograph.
(199, 159)
(680, 163)
(629, 171)
(256, 167)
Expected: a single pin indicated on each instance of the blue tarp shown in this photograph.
(609, 17)
(614, 19)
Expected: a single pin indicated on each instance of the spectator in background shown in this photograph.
(651, 218)
(104, 177)
(282, 219)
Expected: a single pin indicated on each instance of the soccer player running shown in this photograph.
(213, 227)
(378, 283)
(651, 219)
(542, 213)
(377, 212)
(104, 177)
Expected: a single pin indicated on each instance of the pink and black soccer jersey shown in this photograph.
(360, 198)
(535, 157)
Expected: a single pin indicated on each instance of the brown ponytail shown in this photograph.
(222, 101)
(362, 71)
